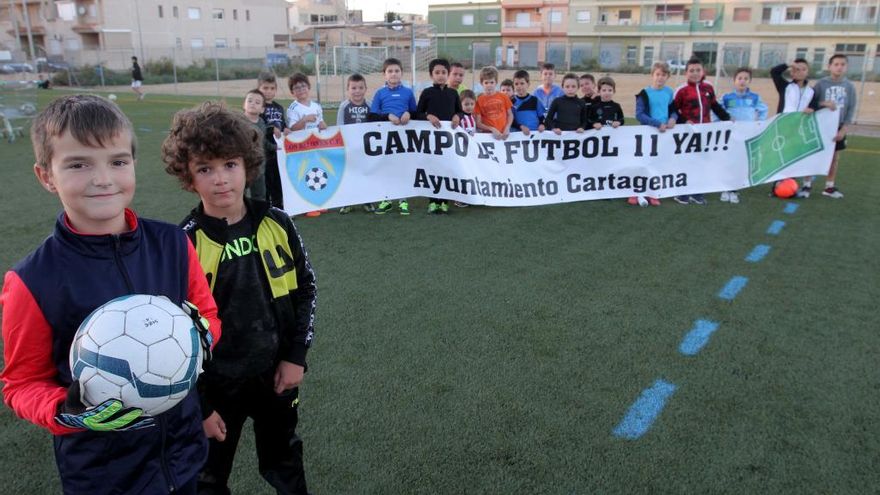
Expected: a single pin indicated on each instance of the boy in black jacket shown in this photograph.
(606, 111)
(273, 115)
(439, 102)
(261, 277)
(568, 112)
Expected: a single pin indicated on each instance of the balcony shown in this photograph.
(628, 27)
(531, 28)
(521, 4)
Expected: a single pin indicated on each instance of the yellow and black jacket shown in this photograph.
(264, 280)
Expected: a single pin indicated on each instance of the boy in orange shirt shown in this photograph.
(494, 110)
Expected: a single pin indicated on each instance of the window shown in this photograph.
(583, 16)
(625, 14)
(707, 14)
(632, 53)
(772, 54)
(234, 14)
(800, 53)
(194, 13)
(850, 48)
(467, 19)
(66, 11)
(648, 57)
(523, 19)
(174, 12)
(247, 15)
(161, 13)
(793, 13)
(742, 14)
(555, 17)
(197, 43)
(220, 43)
(818, 58)
(766, 14)
(238, 44)
(178, 42)
(217, 14)
(491, 18)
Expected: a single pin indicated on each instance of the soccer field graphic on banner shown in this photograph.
(788, 139)
(364, 163)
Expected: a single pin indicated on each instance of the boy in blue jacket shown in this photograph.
(654, 108)
(743, 105)
(395, 103)
(100, 250)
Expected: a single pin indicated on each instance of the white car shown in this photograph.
(676, 64)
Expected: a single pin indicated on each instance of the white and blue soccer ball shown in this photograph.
(143, 350)
(316, 179)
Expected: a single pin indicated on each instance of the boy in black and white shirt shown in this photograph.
(273, 115)
(355, 109)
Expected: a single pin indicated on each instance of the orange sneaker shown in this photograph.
(654, 201)
(315, 213)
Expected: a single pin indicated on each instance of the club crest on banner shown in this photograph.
(315, 166)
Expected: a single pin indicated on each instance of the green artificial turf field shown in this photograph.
(498, 350)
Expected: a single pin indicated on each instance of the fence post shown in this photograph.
(862, 88)
(174, 65)
(412, 50)
(317, 67)
(217, 70)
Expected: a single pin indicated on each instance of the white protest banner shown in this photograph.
(363, 163)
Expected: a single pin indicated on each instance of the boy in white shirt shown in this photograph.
(303, 113)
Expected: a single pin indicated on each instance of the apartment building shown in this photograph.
(468, 32)
(759, 34)
(533, 31)
(107, 31)
(634, 33)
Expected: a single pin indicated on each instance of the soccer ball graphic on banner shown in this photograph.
(316, 179)
(143, 350)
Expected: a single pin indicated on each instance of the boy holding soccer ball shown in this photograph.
(264, 285)
(100, 250)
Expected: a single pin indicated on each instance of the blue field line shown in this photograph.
(758, 253)
(644, 411)
(791, 208)
(698, 337)
(775, 227)
(732, 288)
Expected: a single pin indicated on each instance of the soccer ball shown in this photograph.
(316, 179)
(111, 97)
(143, 350)
(785, 188)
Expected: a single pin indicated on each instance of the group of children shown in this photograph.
(580, 103)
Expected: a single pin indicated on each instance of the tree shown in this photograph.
(392, 16)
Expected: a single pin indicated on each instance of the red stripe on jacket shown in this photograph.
(30, 386)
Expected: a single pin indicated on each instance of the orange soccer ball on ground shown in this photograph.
(785, 188)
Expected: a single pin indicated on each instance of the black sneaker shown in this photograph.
(682, 200)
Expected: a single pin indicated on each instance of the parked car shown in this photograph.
(13, 67)
(676, 64)
(44, 65)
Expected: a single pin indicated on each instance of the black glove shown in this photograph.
(202, 326)
(110, 415)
